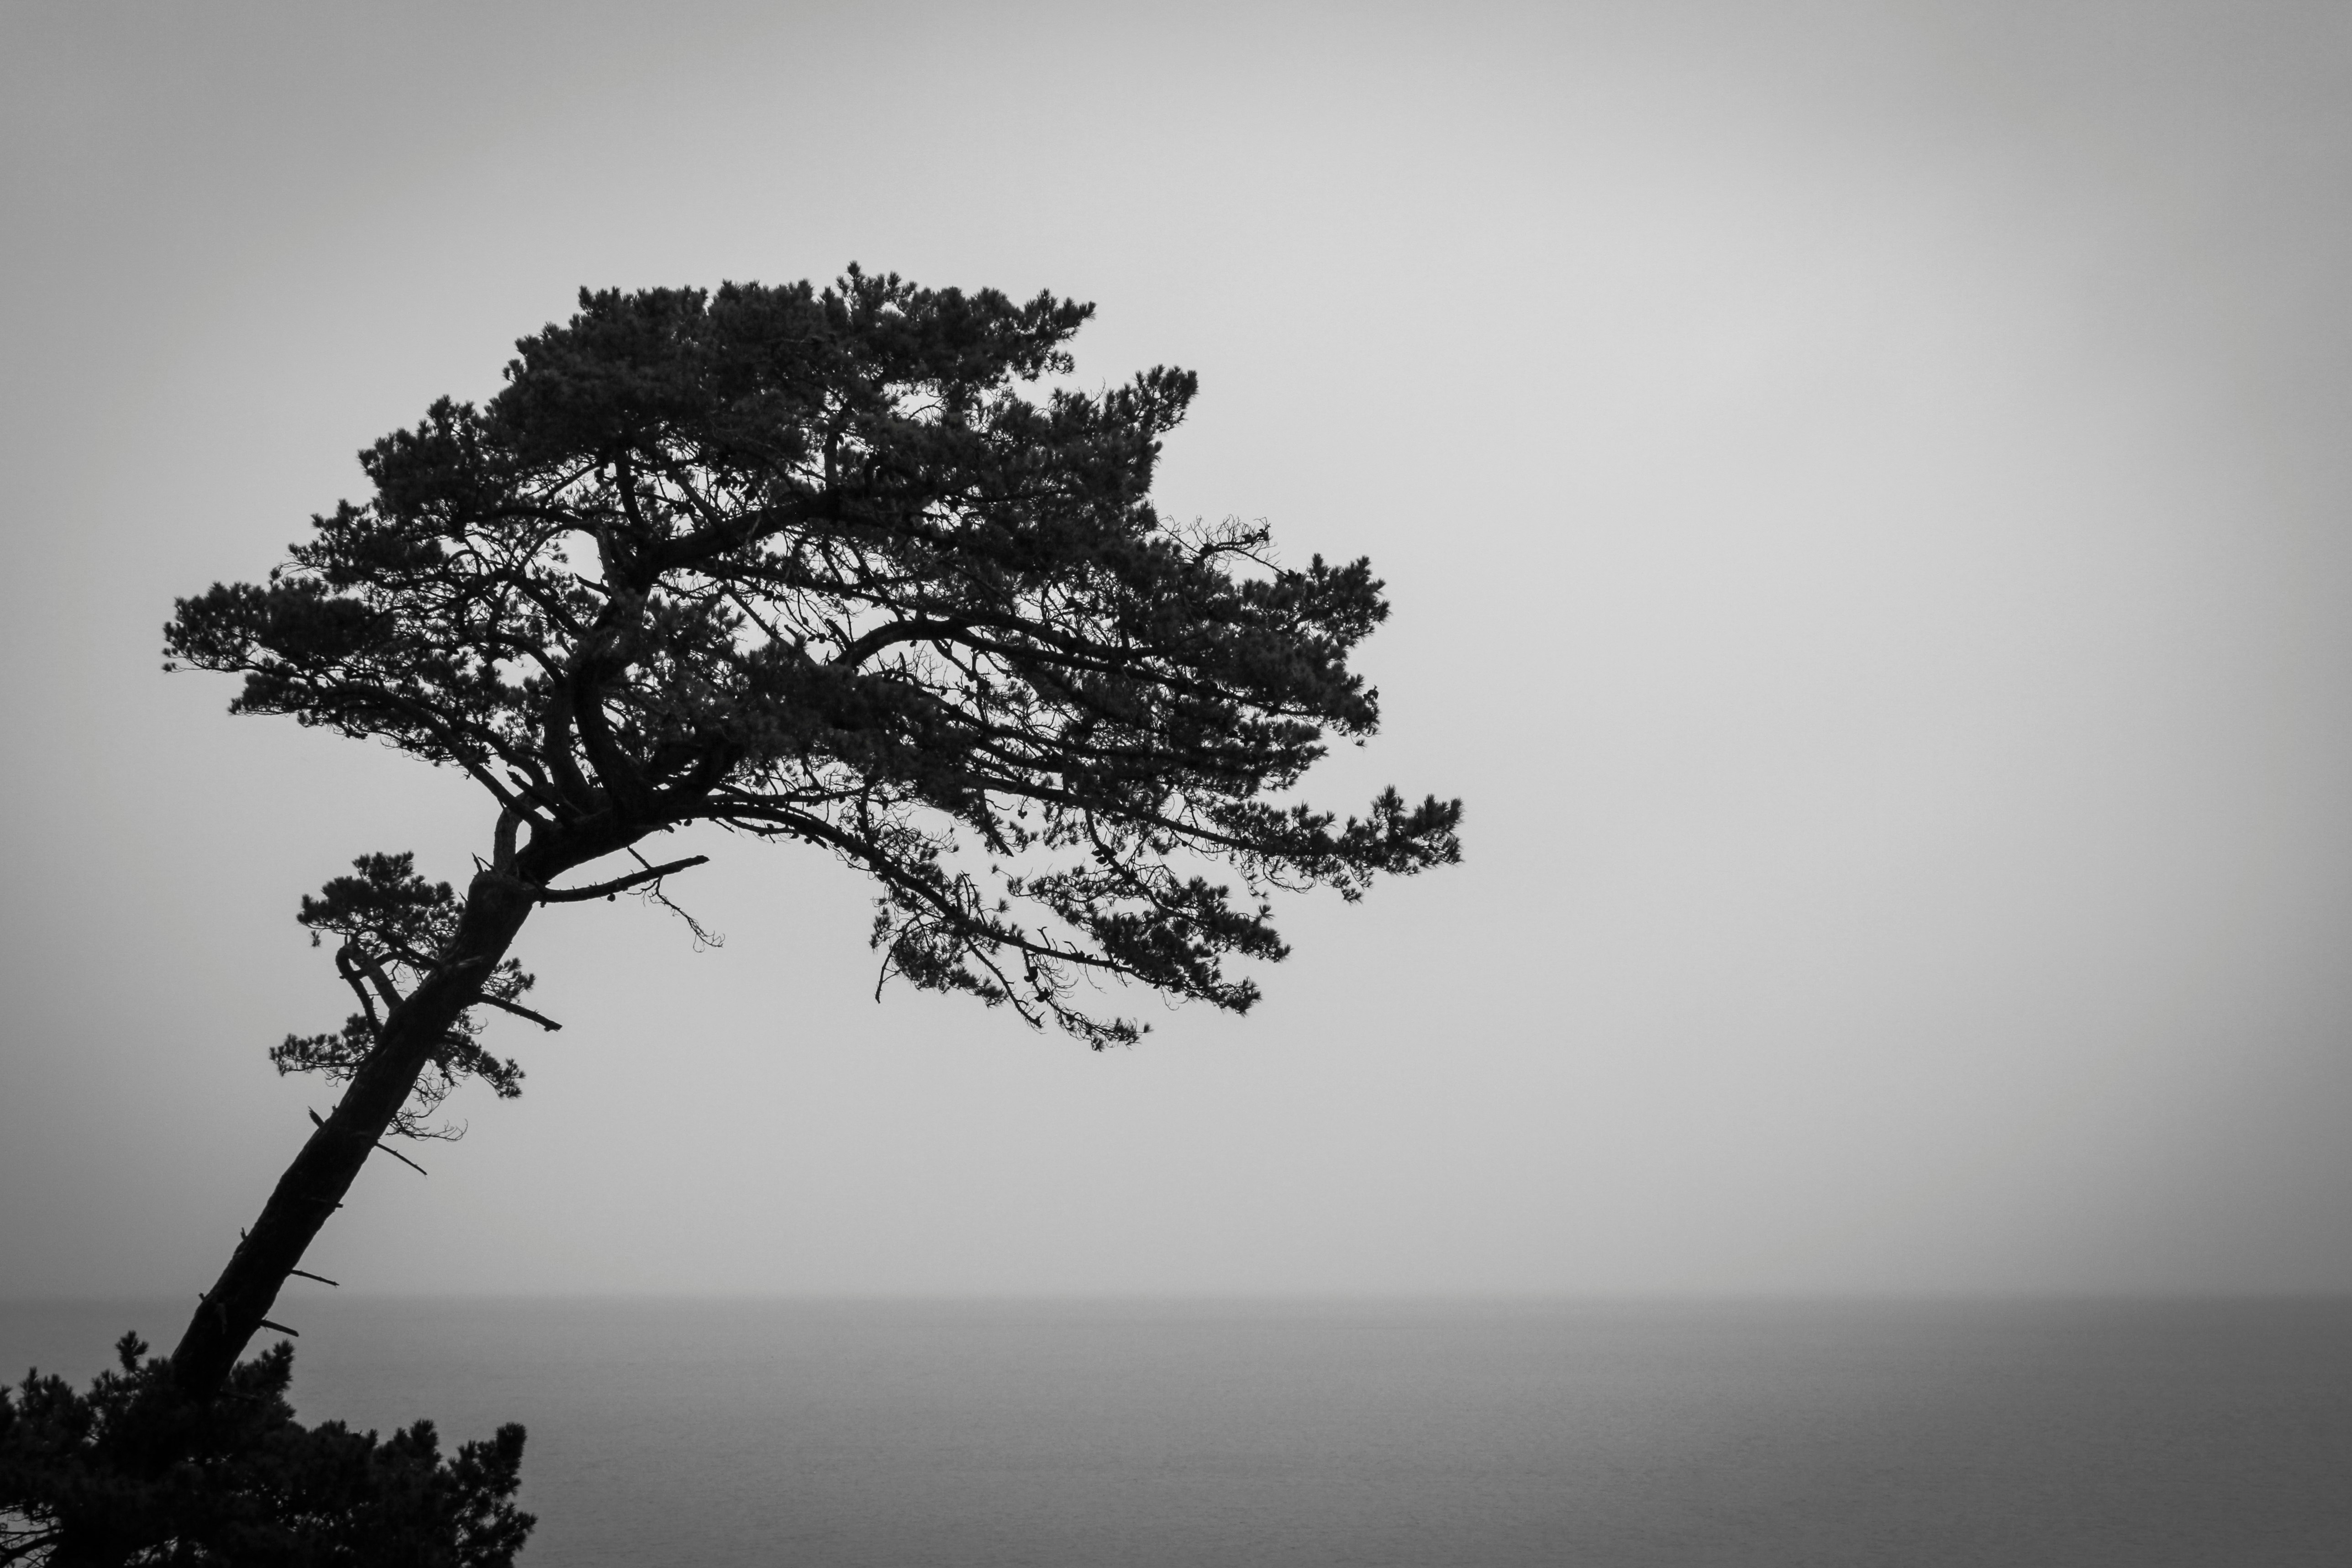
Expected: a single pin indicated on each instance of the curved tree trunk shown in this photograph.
(497, 904)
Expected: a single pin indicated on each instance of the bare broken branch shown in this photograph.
(618, 884)
(520, 1011)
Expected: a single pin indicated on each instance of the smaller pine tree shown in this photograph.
(136, 1472)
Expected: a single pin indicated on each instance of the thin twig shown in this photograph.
(702, 938)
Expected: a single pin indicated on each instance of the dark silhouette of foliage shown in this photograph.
(137, 1472)
(392, 922)
(810, 565)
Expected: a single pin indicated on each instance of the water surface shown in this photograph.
(1155, 1435)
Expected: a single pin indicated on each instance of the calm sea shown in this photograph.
(1099, 1435)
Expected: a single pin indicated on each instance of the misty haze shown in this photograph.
(1856, 504)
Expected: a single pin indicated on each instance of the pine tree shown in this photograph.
(136, 1471)
(824, 565)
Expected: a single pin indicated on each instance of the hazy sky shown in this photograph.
(1865, 492)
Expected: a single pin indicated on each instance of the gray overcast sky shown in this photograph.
(1864, 491)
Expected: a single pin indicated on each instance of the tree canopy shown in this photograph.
(811, 564)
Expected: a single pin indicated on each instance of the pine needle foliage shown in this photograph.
(391, 924)
(134, 1472)
(819, 565)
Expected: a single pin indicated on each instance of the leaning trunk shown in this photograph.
(313, 1187)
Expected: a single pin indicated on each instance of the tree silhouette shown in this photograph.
(135, 1471)
(807, 564)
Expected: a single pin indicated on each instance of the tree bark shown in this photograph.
(497, 904)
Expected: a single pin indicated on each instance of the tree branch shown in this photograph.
(502, 853)
(618, 884)
(368, 966)
(344, 967)
(520, 1011)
